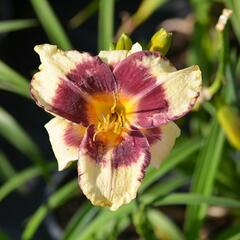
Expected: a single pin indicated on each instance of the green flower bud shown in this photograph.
(124, 42)
(160, 41)
(230, 122)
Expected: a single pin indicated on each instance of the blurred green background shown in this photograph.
(195, 194)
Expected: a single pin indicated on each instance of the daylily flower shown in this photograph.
(113, 113)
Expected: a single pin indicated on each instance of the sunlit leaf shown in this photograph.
(79, 221)
(179, 154)
(16, 24)
(163, 227)
(204, 177)
(105, 24)
(162, 188)
(196, 199)
(51, 24)
(105, 216)
(144, 11)
(235, 6)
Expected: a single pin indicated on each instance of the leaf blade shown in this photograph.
(17, 24)
(51, 24)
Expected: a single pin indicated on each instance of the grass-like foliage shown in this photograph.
(195, 193)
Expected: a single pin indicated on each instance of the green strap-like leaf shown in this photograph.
(162, 188)
(16, 135)
(7, 171)
(235, 18)
(105, 24)
(12, 81)
(179, 154)
(58, 198)
(163, 227)
(17, 24)
(51, 24)
(196, 199)
(84, 14)
(101, 221)
(79, 221)
(203, 178)
(20, 179)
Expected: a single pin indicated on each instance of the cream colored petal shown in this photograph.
(160, 148)
(108, 187)
(65, 138)
(112, 58)
(181, 89)
(160, 92)
(55, 65)
(136, 47)
(68, 80)
(110, 177)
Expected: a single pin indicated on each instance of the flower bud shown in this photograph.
(124, 42)
(230, 122)
(160, 41)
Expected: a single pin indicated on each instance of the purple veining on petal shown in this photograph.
(132, 77)
(147, 159)
(95, 149)
(152, 134)
(135, 79)
(152, 108)
(93, 76)
(89, 77)
(126, 153)
(69, 104)
(72, 136)
(130, 149)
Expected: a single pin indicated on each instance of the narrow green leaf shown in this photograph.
(196, 199)
(14, 25)
(234, 5)
(163, 227)
(105, 24)
(142, 225)
(79, 221)
(84, 14)
(12, 81)
(162, 188)
(61, 196)
(144, 11)
(231, 88)
(101, 221)
(203, 178)
(6, 169)
(179, 154)
(51, 24)
(20, 179)
(16, 135)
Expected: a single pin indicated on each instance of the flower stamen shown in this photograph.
(113, 122)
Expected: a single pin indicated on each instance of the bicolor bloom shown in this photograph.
(113, 113)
